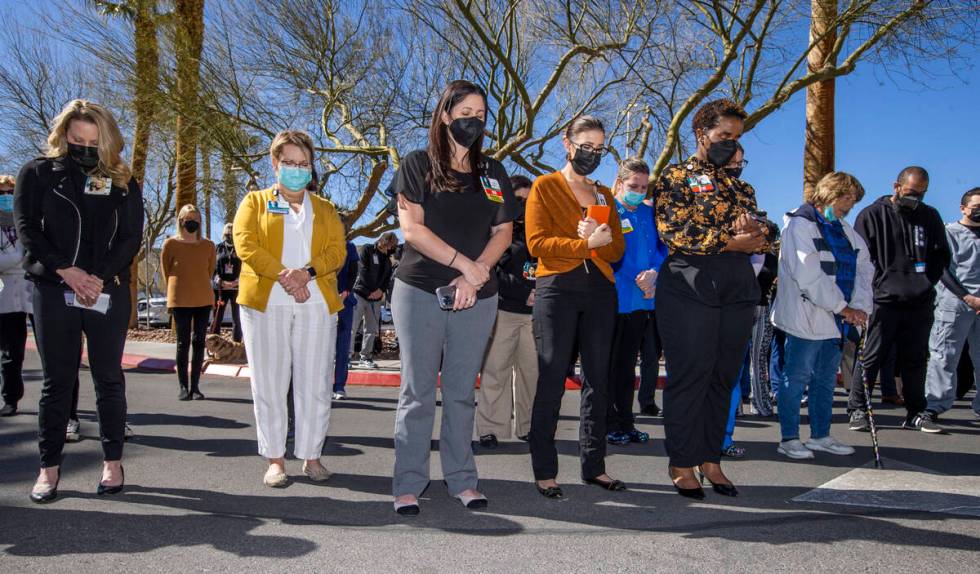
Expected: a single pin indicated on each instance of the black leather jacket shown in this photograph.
(49, 207)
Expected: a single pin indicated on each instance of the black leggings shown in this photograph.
(192, 326)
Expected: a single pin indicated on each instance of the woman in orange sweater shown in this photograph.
(188, 263)
(575, 235)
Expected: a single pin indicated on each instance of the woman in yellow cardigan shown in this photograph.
(291, 244)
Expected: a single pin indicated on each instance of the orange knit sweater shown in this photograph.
(552, 217)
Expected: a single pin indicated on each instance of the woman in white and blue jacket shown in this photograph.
(636, 275)
(825, 277)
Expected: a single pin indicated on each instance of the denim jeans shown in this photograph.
(813, 365)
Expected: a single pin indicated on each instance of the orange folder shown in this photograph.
(600, 213)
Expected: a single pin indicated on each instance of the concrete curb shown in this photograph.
(357, 377)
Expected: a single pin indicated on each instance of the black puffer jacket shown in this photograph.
(61, 226)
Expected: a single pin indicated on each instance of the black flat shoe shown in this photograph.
(407, 509)
(103, 489)
(489, 441)
(183, 395)
(613, 485)
(197, 395)
(47, 495)
(722, 489)
(554, 492)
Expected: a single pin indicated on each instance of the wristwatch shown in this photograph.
(310, 269)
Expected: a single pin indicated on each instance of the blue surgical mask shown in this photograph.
(828, 213)
(633, 199)
(294, 178)
(6, 202)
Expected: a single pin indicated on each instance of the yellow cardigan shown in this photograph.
(258, 242)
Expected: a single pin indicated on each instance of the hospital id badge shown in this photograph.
(278, 207)
(491, 187)
(229, 268)
(700, 183)
(98, 185)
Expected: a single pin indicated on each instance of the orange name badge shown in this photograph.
(491, 188)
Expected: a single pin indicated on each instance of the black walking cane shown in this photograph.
(859, 372)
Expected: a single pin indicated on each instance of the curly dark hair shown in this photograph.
(711, 113)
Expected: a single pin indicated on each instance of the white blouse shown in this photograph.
(297, 236)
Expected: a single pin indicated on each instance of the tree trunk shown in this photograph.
(145, 97)
(206, 185)
(818, 148)
(229, 194)
(189, 42)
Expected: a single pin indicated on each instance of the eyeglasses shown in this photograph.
(302, 164)
(589, 148)
(739, 164)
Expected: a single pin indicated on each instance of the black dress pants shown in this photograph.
(59, 329)
(13, 337)
(627, 341)
(705, 313)
(906, 331)
(192, 328)
(579, 305)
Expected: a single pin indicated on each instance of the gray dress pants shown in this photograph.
(430, 337)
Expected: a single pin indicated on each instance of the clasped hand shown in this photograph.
(597, 235)
(294, 282)
(854, 317)
(748, 235)
(87, 287)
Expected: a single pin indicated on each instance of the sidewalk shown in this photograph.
(150, 356)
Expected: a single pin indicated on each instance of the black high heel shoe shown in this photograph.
(103, 489)
(722, 489)
(613, 485)
(47, 495)
(550, 491)
(694, 493)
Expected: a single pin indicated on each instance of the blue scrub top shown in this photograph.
(644, 250)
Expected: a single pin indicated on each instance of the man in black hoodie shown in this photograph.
(373, 277)
(907, 243)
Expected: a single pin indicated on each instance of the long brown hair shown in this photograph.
(440, 148)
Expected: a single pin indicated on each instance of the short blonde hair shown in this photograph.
(833, 186)
(110, 138)
(8, 180)
(297, 138)
(184, 213)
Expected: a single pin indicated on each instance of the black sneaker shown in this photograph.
(488, 441)
(926, 422)
(651, 410)
(859, 421)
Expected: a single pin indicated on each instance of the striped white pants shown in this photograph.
(291, 342)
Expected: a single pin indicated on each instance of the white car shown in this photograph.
(156, 313)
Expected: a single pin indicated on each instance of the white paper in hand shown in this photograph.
(101, 305)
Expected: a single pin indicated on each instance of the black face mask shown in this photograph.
(192, 226)
(83, 155)
(720, 153)
(908, 203)
(228, 240)
(585, 162)
(735, 172)
(466, 131)
(975, 215)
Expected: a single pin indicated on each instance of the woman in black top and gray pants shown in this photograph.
(79, 214)
(455, 207)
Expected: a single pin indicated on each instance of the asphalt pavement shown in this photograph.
(194, 501)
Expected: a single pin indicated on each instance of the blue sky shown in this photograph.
(883, 124)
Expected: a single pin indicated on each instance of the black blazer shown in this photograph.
(48, 210)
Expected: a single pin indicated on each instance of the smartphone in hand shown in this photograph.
(446, 296)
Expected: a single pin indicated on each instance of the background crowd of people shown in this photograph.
(508, 281)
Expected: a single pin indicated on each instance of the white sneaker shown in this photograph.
(829, 444)
(128, 432)
(339, 395)
(71, 433)
(794, 449)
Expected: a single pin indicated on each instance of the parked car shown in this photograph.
(155, 313)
